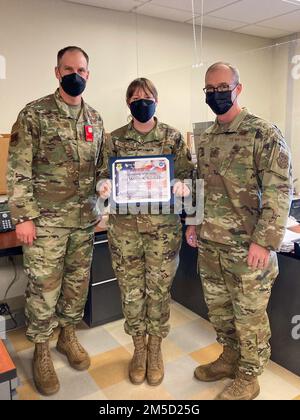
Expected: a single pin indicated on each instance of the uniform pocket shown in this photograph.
(53, 150)
(238, 166)
(260, 281)
(69, 144)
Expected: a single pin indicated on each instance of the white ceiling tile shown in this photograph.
(252, 17)
(212, 5)
(150, 9)
(186, 5)
(225, 24)
(253, 11)
(122, 5)
(262, 31)
(290, 22)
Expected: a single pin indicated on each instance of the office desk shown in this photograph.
(9, 244)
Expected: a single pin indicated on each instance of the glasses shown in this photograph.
(224, 87)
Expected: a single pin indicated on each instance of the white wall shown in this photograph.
(32, 31)
(285, 96)
(294, 114)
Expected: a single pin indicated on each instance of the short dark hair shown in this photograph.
(141, 83)
(61, 53)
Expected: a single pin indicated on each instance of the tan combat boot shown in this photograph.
(155, 367)
(138, 364)
(224, 367)
(69, 345)
(244, 388)
(44, 375)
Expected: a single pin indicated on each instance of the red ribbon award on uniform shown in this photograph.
(89, 135)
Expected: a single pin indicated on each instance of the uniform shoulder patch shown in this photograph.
(283, 160)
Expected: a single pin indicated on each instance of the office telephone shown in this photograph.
(5, 222)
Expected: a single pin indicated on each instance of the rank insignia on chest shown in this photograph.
(89, 136)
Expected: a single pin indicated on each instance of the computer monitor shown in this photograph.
(295, 209)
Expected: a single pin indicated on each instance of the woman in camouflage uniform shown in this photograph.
(145, 247)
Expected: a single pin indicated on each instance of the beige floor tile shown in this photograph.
(21, 371)
(27, 391)
(179, 378)
(10, 348)
(97, 396)
(276, 387)
(114, 324)
(116, 330)
(185, 311)
(207, 354)
(193, 335)
(285, 374)
(20, 342)
(170, 351)
(211, 392)
(96, 340)
(110, 368)
(178, 316)
(74, 384)
(127, 391)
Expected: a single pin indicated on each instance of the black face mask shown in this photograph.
(220, 102)
(73, 84)
(143, 110)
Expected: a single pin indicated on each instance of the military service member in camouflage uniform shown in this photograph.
(54, 153)
(145, 248)
(245, 164)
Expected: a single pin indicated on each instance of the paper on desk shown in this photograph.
(288, 241)
(292, 222)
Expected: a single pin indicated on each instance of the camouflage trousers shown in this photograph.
(237, 298)
(145, 256)
(58, 267)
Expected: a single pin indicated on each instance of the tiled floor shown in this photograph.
(191, 342)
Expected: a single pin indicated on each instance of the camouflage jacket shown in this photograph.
(246, 167)
(163, 139)
(52, 168)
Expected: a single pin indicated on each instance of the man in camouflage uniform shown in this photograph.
(245, 164)
(53, 158)
(145, 247)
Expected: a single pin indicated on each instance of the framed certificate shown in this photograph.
(145, 179)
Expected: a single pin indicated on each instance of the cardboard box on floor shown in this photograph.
(4, 143)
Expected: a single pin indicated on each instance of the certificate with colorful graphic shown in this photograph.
(144, 179)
